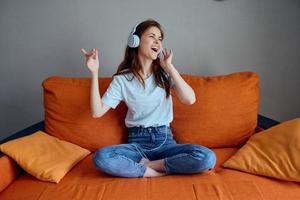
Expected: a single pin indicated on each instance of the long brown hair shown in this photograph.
(131, 63)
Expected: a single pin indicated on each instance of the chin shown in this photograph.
(153, 57)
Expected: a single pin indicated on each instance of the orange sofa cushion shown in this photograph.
(68, 115)
(225, 111)
(224, 115)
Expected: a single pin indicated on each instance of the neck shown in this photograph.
(146, 66)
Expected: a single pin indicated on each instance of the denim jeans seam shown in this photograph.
(143, 171)
(140, 150)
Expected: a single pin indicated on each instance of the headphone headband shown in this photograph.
(134, 28)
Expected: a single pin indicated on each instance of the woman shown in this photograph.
(143, 81)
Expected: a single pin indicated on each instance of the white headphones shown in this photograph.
(133, 39)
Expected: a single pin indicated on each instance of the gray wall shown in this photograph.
(43, 38)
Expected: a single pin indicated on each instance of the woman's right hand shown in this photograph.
(92, 60)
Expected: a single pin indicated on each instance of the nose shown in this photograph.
(156, 40)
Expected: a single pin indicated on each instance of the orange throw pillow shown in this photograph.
(273, 153)
(225, 111)
(44, 156)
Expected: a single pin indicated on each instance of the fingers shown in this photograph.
(83, 51)
(93, 53)
(86, 53)
(96, 53)
(167, 52)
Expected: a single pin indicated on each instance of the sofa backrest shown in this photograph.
(224, 114)
(225, 111)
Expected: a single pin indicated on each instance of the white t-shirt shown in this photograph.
(146, 107)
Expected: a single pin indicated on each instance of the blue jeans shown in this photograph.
(153, 143)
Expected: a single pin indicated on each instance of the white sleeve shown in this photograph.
(113, 95)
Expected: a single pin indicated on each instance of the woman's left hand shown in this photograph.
(166, 59)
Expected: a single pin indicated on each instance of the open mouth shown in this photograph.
(155, 49)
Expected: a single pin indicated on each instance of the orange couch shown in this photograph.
(223, 118)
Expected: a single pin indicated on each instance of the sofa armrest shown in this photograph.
(9, 169)
(265, 122)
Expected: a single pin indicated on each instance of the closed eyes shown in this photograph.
(152, 36)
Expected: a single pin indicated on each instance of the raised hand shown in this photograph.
(92, 60)
(166, 59)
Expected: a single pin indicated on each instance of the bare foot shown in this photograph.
(152, 173)
(157, 165)
(143, 161)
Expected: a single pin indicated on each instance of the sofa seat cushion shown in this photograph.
(269, 188)
(150, 189)
(10, 170)
(85, 182)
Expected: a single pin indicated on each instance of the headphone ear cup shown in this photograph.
(133, 41)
